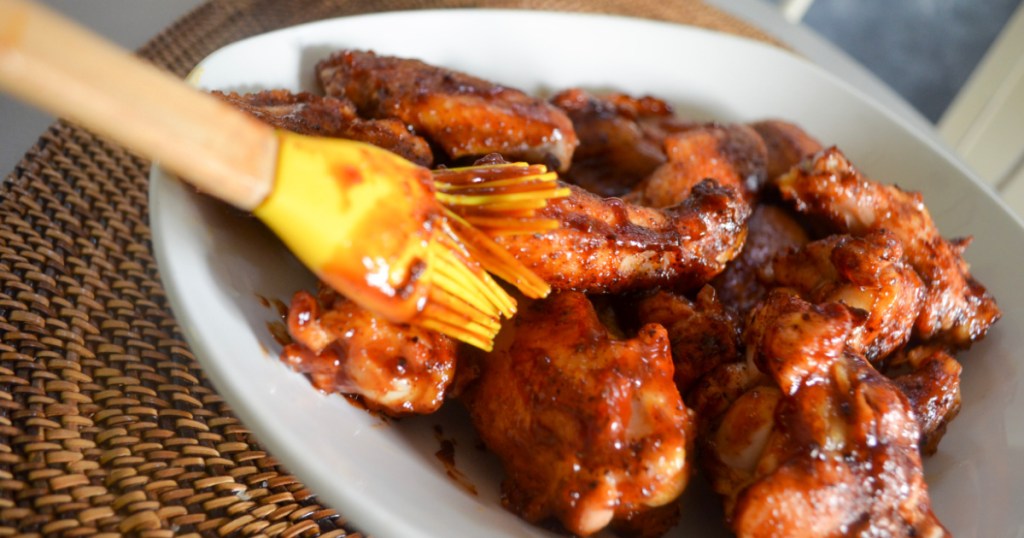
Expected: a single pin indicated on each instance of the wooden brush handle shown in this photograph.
(56, 65)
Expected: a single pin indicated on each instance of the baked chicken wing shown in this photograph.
(463, 115)
(771, 230)
(819, 444)
(703, 334)
(344, 348)
(786, 144)
(867, 275)
(957, 309)
(590, 428)
(733, 155)
(930, 378)
(622, 138)
(606, 245)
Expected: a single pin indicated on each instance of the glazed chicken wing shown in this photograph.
(590, 428)
(770, 230)
(310, 114)
(703, 334)
(819, 444)
(621, 138)
(930, 378)
(957, 309)
(786, 144)
(732, 155)
(395, 369)
(867, 275)
(609, 246)
(464, 115)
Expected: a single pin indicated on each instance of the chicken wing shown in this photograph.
(310, 114)
(395, 369)
(589, 428)
(703, 334)
(464, 115)
(771, 230)
(867, 275)
(609, 246)
(957, 309)
(819, 444)
(786, 143)
(930, 378)
(733, 155)
(621, 138)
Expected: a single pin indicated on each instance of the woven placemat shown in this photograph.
(107, 423)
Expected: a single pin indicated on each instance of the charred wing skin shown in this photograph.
(463, 115)
(930, 379)
(606, 245)
(590, 429)
(309, 114)
(703, 334)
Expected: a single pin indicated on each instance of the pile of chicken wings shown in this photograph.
(731, 299)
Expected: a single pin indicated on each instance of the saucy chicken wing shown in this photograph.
(733, 155)
(609, 246)
(590, 429)
(770, 230)
(930, 378)
(703, 334)
(819, 444)
(306, 113)
(867, 275)
(786, 144)
(344, 348)
(957, 309)
(463, 115)
(621, 137)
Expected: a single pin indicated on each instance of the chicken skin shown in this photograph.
(310, 114)
(463, 115)
(395, 369)
(606, 245)
(819, 444)
(867, 275)
(957, 309)
(621, 137)
(590, 429)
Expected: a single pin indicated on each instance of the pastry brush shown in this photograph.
(410, 244)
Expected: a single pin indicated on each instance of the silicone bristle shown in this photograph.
(497, 190)
(469, 333)
(499, 261)
(471, 283)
